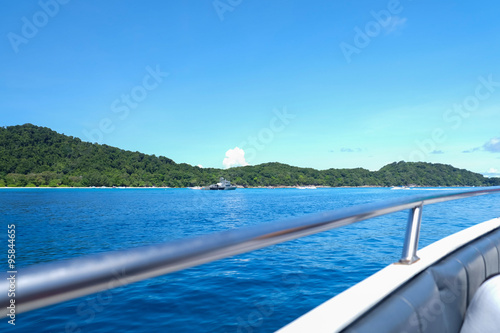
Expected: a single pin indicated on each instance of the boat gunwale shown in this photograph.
(380, 285)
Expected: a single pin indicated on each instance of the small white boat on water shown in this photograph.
(312, 187)
(223, 184)
(400, 188)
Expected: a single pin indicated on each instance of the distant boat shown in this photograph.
(400, 188)
(223, 184)
(306, 187)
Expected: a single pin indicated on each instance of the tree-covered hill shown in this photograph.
(37, 156)
(422, 174)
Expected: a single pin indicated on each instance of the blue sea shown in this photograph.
(259, 291)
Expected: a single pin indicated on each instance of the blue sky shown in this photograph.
(325, 84)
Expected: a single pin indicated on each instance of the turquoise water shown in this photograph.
(255, 292)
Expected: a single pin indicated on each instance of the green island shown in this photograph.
(33, 156)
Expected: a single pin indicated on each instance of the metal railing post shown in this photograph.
(410, 246)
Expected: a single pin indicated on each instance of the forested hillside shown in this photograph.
(37, 156)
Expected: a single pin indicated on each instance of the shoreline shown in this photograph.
(238, 187)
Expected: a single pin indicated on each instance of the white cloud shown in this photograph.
(395, 24)
(234, 157)
(468, 151)
(493, 145)
(492, 172)
(200, 166)
(350, 150)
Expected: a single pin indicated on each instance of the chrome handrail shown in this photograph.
(45, 284)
